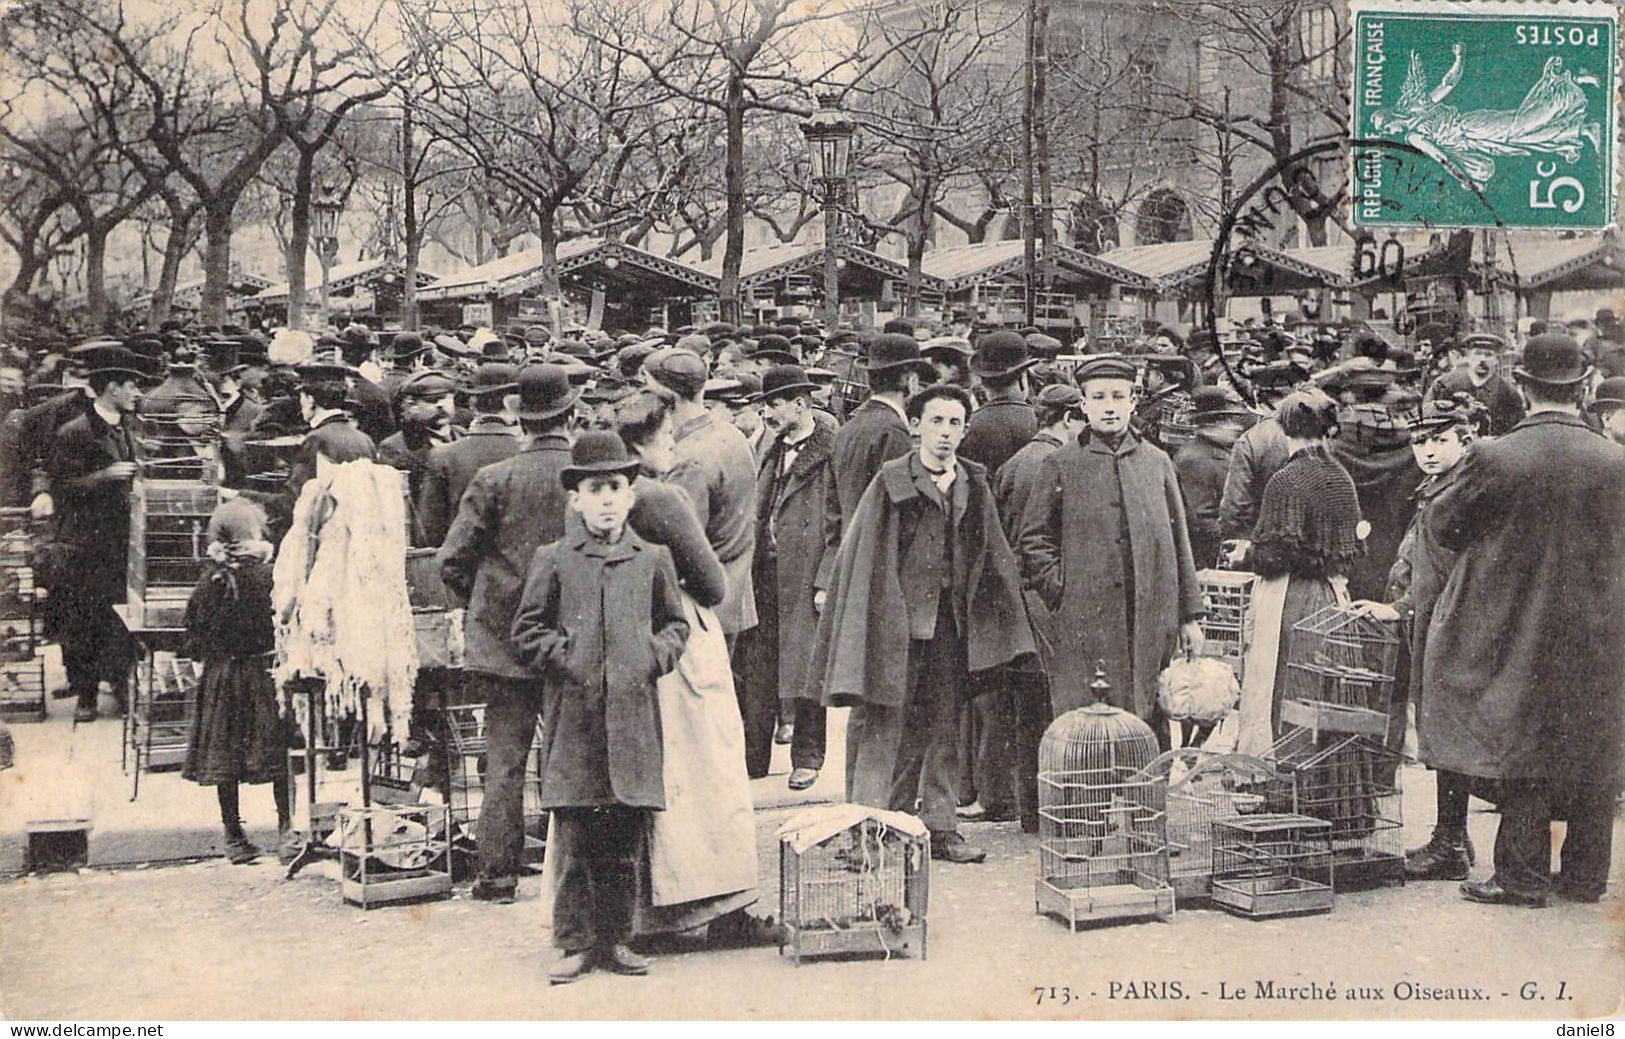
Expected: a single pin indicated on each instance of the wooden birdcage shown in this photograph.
(19, 617)
(1348, 782)
(389, 854)
(1227, 624)
(1340, 673)
(1102, 828)
(853, 880)
(1205, 787)
(161, 710)
(22, 690)
(1275, 864)
(169, 541)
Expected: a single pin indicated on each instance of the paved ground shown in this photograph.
(214, 941)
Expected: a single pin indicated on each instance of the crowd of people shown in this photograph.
(675, 549)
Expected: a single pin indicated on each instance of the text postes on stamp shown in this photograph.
(1510, 103)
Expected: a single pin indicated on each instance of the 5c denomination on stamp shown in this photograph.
(1510, 102)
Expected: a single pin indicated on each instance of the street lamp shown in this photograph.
(324, 229)
(829, 140)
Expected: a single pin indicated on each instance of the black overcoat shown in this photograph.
(790, 529)
(874, 434)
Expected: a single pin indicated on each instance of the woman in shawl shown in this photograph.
(1303, 546)
(701, 864)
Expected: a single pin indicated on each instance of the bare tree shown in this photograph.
(32, 208)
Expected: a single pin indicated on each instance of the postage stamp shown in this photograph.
(1511, 103)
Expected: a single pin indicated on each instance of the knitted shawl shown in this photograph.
(1307, 520)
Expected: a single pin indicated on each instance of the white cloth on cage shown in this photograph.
(1255, 733)
(821, 822)
(339, 591)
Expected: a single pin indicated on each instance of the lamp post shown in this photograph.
(829, 140)
(324, 229)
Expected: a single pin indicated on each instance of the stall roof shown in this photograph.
(189, 293)
(516, 273)
(1167, 264)
(347, 276)
(770, 263)
(1567, 264)
(960, 267)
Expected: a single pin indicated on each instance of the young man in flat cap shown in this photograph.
(716, 467)
(1525, 658)
(925, 594)
(792, 484)
(492, 437)
(509, 510)
(1104, 542)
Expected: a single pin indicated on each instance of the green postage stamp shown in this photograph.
(1469, 113)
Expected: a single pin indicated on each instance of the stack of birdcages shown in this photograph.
(22, 670)
(1102, 827)
(1334, 711)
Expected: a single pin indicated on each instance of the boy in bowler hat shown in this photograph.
(600, 620)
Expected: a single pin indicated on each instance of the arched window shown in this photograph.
(1094, 228)
(1164, 217)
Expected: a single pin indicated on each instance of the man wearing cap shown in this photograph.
(714, 464)
(426, 403)
(1525, 657)
(91, 463)
(407, 354)
(509, 509)
(324, 393)
(793, 483)
(1482, 379)
(492, 437)
(875, 432)
(1103, 541)
(1607, 406)
(951, 357)
(1202, 464)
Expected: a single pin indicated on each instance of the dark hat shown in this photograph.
(545, 392)
(1201, 339)
(822, 376)
(1043, 345)
(425, 385)
(1436, 332)
(916, 404)
(1610, 393)
(1404, 362)
(1554, 359)
(598, 452)
(1442, 413)
(494, 377)
(1277, 374)
(494, 350)
(358, 334)
(951, 347)
(725, 389)
(629, 359)
(695, 343)
(1215, 403)
(776, 348)
(323, 371)
(783, 380)
(890, 350)
(749, 384)
(1000, 354)
(117, 360)
(840, 337)
(1059, 395)
(682, 371)
(719, 330)
(220, 355)
(537, 334)
(1104, 366)
(1171, 334)
(1481, 341)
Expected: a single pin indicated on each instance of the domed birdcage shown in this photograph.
(1102, 838)
(179, 427)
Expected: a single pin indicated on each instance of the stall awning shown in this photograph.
(582, 262)
(346, 276)
(962, 267)
(772, 263)
(189, 294)
(1567, 264)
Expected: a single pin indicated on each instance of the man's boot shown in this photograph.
(1448, 856)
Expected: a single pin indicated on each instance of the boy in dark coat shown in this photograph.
(925, 593)
(601, 618)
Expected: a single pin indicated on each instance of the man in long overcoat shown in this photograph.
(1203, 464)
(1103, 541)
(510, 509)
(1524, 670)
(925, 593)
(793, 481)
(491, 437)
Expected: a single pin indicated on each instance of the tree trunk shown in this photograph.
(409, 225)
(293, 258)
(175, 248)
(917, 242)
(28, 269)
(216, 259)
(733, 249)
(547, 231)
(96, 274)
(1043, 217)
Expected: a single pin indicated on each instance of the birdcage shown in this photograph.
(19, 619)
(853, 879)
(22, 690)
(851, 379)
(1346, 781)
(178, 427)
(1227, 627)
(1275, 864)
(1102, 837)
(1175, 425)
(1205, 787)
(169, 541)
(390, 854)
(1340, 673)
(161, 711)
(466, 743)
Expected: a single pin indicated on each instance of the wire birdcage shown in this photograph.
(1275, 864)
(1345, 780)
(161, 711)
(1227, 624)
(22, 690)
(1340, 673)
(466, 746)
(1102, 828)
(1205, 787)
(178, 428)
(390, 854)
(851, 379)
(169, 541)
(1175, 426)
(852, 880)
